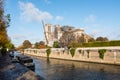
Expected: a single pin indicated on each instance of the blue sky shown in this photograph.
(97, 17)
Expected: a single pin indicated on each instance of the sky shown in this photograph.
(96, 17)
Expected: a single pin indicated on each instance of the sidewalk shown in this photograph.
(15, 71)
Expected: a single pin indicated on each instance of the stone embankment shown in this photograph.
(89, 54)
(15, 71)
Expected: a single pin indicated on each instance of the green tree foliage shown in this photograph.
(72, 51)
(48, 51)
(101, 53)
(101, 44)
(114, 43)
(75, 44)
(56, 44)
(9, 46)
(27, 44)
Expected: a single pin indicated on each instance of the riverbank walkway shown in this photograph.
(15, 71)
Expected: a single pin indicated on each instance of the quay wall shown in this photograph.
(111, 56)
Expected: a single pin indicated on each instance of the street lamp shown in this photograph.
(0, 50)
(0, 47)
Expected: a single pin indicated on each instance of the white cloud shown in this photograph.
(90, 18)
(59, 18)
(31, 13)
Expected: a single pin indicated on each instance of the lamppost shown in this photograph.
(0, 50)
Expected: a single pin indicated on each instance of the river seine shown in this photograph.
(54, 69)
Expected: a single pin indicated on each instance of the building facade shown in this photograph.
(54, 33)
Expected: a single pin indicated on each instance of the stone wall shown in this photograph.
(111, 56)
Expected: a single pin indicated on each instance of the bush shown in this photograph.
(101, 44)
(48, 51)
(56, 44)
(101, 53)
(88, 51)
(72, 51)
(80, 51)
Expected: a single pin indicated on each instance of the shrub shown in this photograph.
(101, 44)
(48, 51)
(101, 53)
(35, 51)
(72, 51)
(88, 51)
(56, 44)
(80, 51)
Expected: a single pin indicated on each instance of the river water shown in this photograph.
(54, 69)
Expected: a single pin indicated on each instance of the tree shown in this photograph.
(56, 44)
(42, 43)
(69, 39)
(9, 45)
(37, 45)
(20, 47)
(91, 40)
(66, 39)
(102, 39)
(3, 37)
(27, 44)
(4, 23)
(3, 32)
(81, 39)
(106, 39)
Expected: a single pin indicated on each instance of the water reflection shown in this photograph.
(70, 70)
